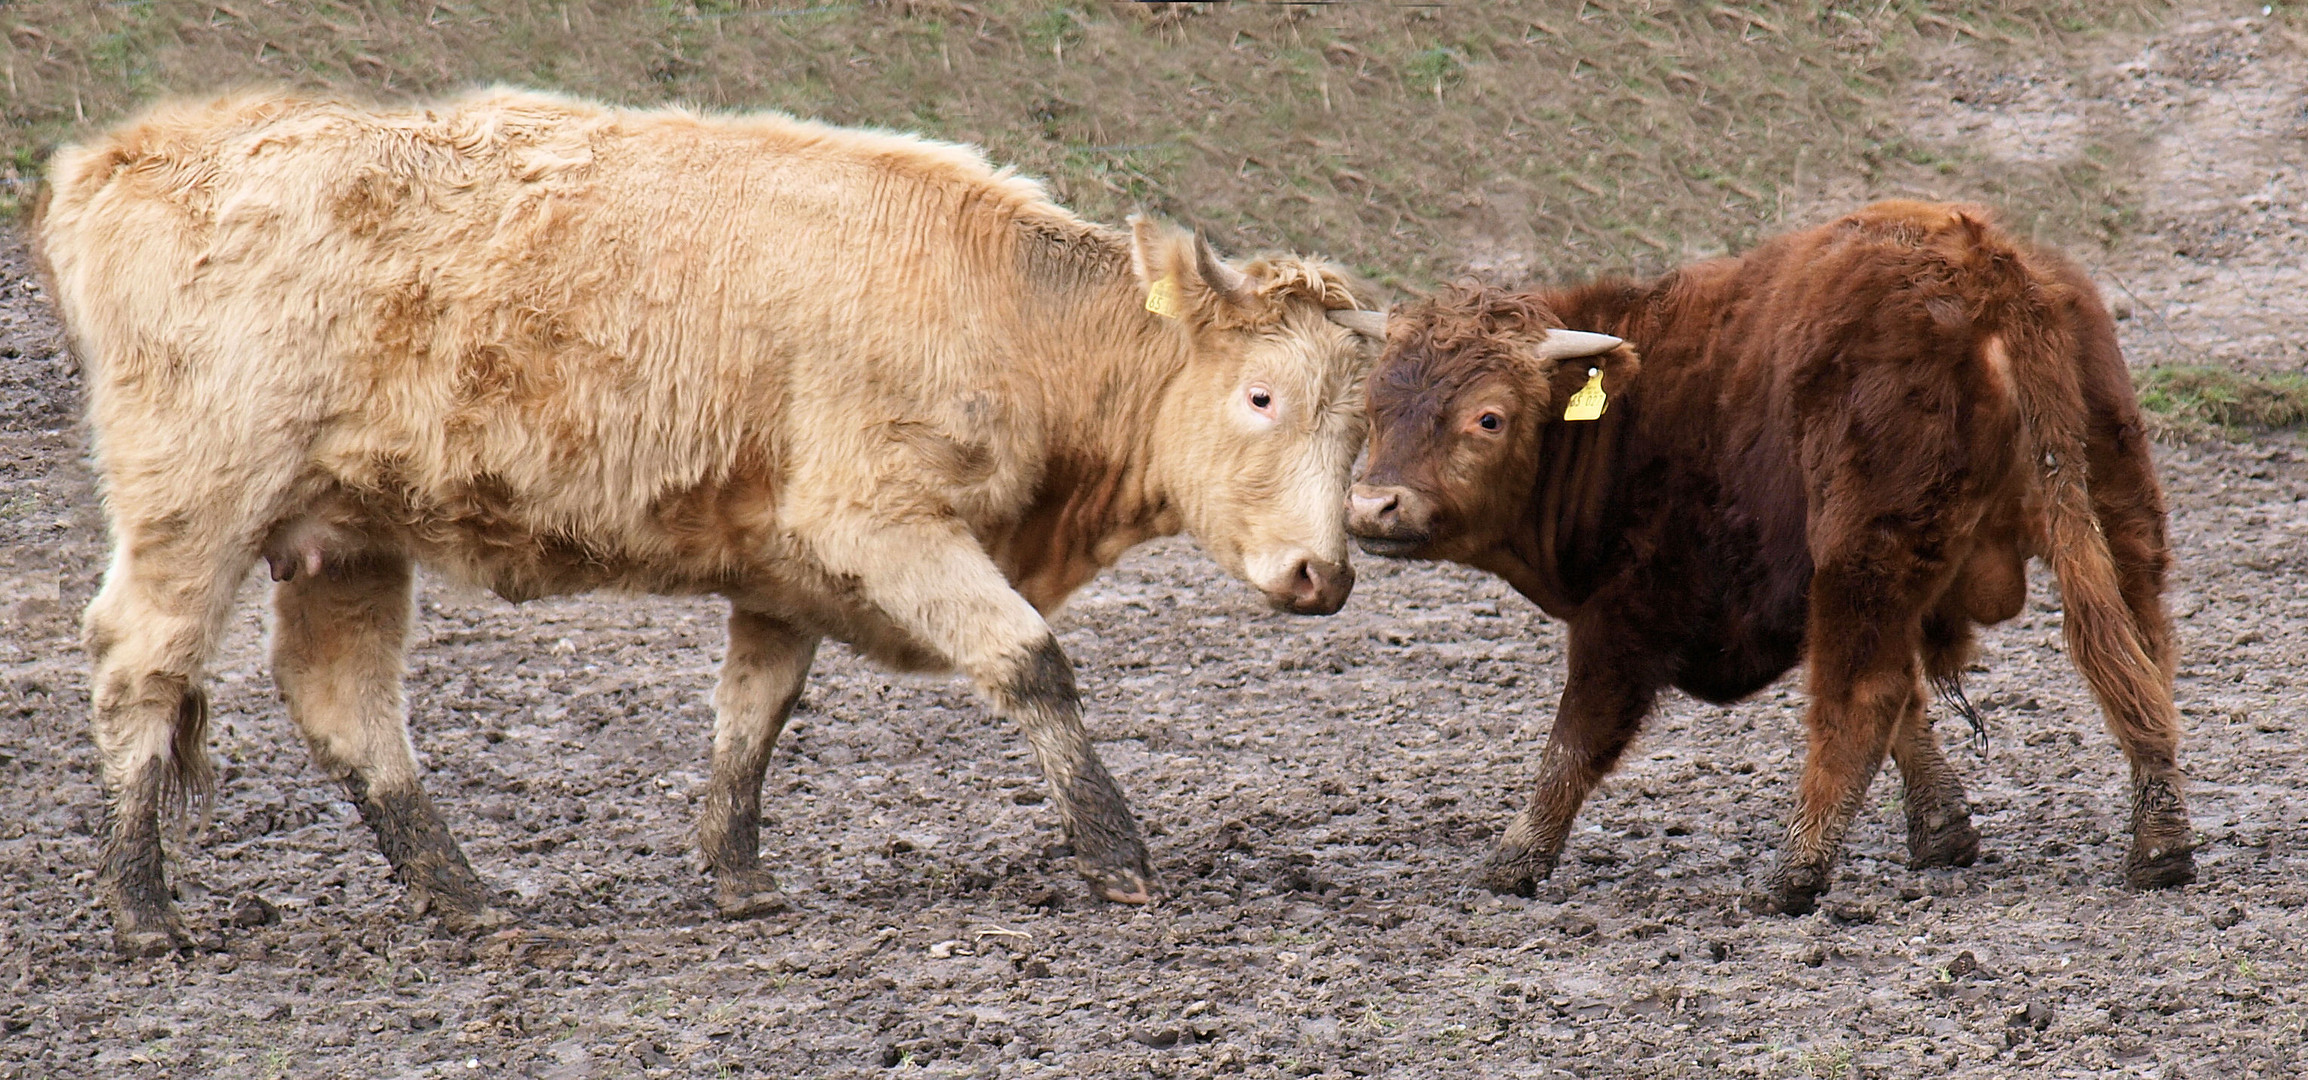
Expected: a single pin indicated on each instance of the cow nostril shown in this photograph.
(1305, 583)
(1376, 507)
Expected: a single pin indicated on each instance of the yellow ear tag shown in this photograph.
(1162, 298)
(1589, 402)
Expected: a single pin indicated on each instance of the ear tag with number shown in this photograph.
(1589, 402)
(1162, 298)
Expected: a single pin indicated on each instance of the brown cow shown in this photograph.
(863, 385)
(1839, 449)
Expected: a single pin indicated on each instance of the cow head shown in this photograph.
(1255, 439)
(1457, 401)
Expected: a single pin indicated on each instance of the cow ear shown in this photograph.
(1181, 275)
(1150, 249)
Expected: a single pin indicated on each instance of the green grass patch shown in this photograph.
(2193, 398)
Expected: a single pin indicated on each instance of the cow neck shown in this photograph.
(1553, 551)
(1099, 493)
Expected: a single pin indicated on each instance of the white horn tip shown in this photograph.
(1370, 323)
(1567, 344)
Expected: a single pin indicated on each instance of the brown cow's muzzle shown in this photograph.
(1317, 587)
(1388, 520)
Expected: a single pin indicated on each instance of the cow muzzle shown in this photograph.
(1386, 520)
(1314, 587)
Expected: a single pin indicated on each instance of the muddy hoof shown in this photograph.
(1514, 872)
(1953, 844)
(747, 896)
(1121, 885)
(472, 921)
(143, 944)
(1793, 890)
(2160, 866)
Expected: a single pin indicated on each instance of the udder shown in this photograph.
(306, 545)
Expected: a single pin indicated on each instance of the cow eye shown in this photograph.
(1261, 400)
(1490, 421)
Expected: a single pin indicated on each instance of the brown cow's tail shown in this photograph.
(2113, 650)
(2119, 651)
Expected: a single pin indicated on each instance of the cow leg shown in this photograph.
(940, 586)
(1603, 705)
(761, 679)
(1939, 829)
(2129, 507)
(338, 639)
(1865, 676)
(149, 633)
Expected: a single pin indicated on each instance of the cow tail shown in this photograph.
(2107, 643)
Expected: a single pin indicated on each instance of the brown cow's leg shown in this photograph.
(2128, 504)
(337, 648)
(761, 678)
(149, 633)
(1939, 829)
(1602, 707)
(1865, 626)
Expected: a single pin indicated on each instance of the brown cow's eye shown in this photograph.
(1260, 399)
(1490, 421)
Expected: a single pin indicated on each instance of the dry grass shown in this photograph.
(1526, 141)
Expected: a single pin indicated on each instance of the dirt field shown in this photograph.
(1317, 790)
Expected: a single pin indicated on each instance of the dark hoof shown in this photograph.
(1793, 890)
(747, 896)
(1514, 872)
(2163, 844)
(2165, 865)
(1119, 884)
(1953, 844)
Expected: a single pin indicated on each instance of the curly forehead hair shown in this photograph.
(1278, 278)
(1438, 345)
(1465, 315)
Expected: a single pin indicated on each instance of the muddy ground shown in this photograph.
(1317, 791)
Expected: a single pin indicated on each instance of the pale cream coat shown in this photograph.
(863, 384)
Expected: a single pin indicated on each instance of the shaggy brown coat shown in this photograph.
(864, 385)
(1839, 449)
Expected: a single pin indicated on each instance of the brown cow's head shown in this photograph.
(1256, 438)
(1467, 381)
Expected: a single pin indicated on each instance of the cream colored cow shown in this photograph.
(863, 385)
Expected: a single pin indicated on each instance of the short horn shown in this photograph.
(1569, 344)
(1224, 280)
(1366, 323)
